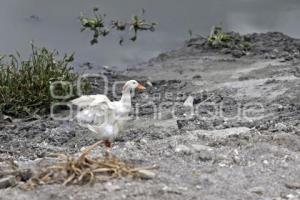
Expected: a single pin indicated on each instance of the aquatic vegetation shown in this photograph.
(25, 84)
(98, 26)
(217, 37)
(220, 39)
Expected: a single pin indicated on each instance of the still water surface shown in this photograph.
(54, 24)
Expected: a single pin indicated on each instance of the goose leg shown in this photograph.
(107, 145)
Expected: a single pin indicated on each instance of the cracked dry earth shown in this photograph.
(243, 142)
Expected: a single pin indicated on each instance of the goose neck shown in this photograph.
(126, 97)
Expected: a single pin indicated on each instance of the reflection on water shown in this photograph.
(55, 24)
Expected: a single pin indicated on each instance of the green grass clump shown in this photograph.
(220, 39)
(25, 84)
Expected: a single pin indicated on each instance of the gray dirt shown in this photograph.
(229, 149)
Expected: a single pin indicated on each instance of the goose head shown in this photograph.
(132, 85)
(128, 91)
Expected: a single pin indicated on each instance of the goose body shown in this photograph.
(104, 118)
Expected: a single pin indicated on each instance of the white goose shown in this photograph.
(104, 117)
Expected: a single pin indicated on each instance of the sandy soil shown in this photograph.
(242, 141)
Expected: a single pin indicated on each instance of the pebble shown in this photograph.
(143, 141)
(281, 127)
(149, 83)
(7, 166)
(291, 197)
(237, 53)
(199, 147)
(189, 102)
(183, 149)
(8, 181)
(226, 51)
(25, 174)
(265, 162)
(221, 134)
(199, 187)
(293, 185)
(257, 190)
(205, 156)
(166, 115)
(146, 174)
(129, 144)
(197, 77)
(111, 187)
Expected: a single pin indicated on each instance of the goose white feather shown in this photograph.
(103, 117)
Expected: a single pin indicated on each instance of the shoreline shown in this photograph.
(212, 155)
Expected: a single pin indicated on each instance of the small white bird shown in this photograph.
(104, 117)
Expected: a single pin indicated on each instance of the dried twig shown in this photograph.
(86, 170)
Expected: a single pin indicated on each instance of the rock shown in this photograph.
(297, 132)
(271, 81)
(288, 58)
(245, 78)
(205, 156)
(107, 67)
(111, 187)
(7, 118)
(293, 185)
(8, 165)
(25, 174)
(226, 51)
(183, 149)
(181, 123)
(257, 190)
(222, 133)
(292, 197)
(189, 102)
(129, 144)
(297, 72)
(237, 53)
(197, 77)
(143, 141)
(204, 153)
(209, 170)
(194, 123)
(8, 181)
(146, 174)
(149, 83)
(166, 115)
(199, 147)
(265, 162)
(281, 127)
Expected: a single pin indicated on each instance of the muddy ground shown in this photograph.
(241, 142)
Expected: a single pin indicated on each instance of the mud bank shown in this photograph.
(241, 141)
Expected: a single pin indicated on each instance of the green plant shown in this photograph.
(97, 25)
(218, 38)
(25, 84)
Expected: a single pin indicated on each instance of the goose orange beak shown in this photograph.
(140, 87)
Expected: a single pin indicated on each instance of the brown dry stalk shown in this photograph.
(86, 170)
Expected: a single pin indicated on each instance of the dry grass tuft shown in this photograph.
(86, 170)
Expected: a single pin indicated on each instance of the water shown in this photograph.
(55, 24)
